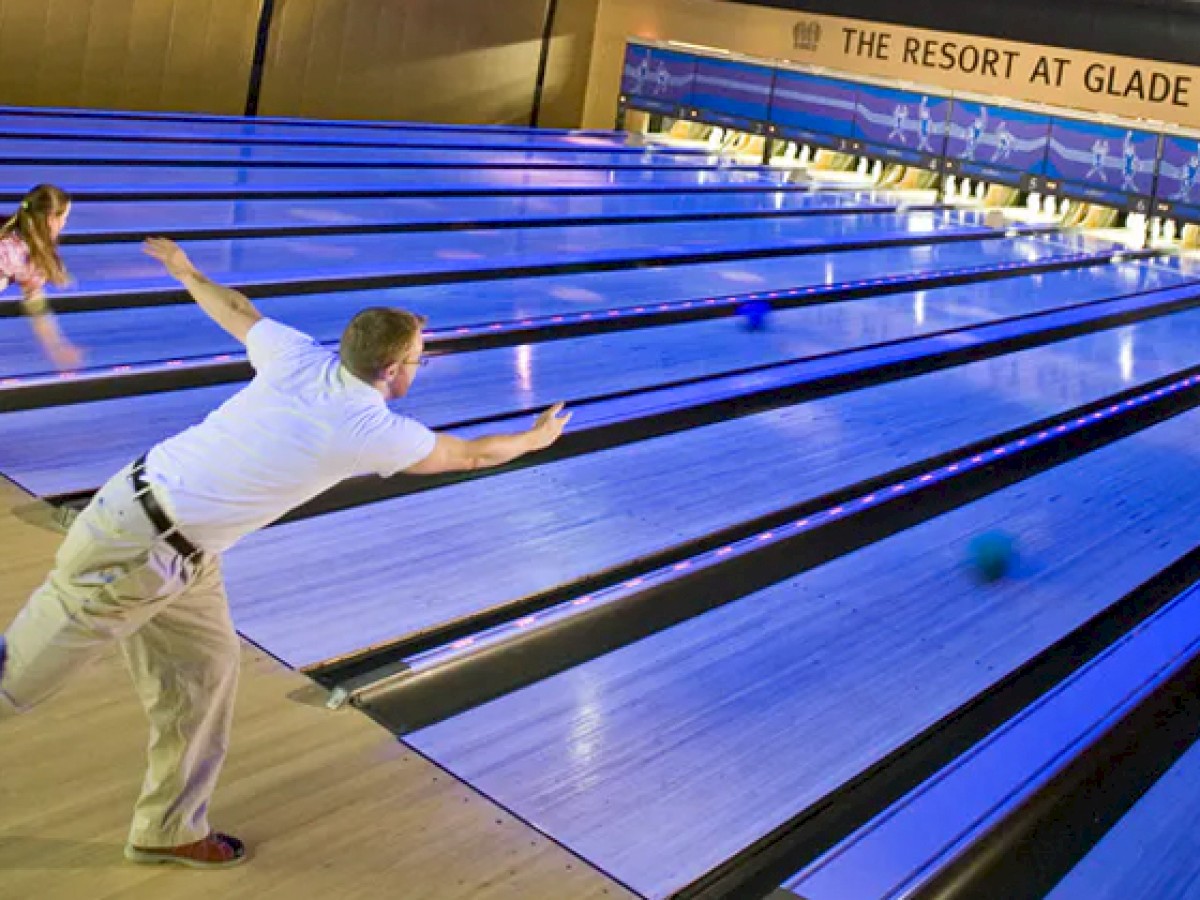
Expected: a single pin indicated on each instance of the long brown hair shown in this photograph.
(31, 222)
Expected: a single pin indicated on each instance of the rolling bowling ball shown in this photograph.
(992, 554)
(754, 314)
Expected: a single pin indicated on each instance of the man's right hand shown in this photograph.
(171, 255)
(454, 454)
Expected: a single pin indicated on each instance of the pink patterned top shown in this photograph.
(15, 265)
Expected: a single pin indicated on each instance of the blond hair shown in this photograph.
(31, 222)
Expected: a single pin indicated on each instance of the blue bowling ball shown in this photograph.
(754, 314)
(992, 554)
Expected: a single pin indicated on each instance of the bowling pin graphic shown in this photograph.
(641, 75)
(975, 133)
(899, 124)
(1129, 164)
(663, 80)
(1005, 143)
(1187, 181)
(1099, 160)
(925, 127)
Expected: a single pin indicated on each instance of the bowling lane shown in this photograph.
(251, 132)
(1153, 852)
(660, 760)
(185, 331)
(136, 181)
(572, 518)
(37, 113)
(74, 448)
(99, 218)
(53, 152)
(118, 268)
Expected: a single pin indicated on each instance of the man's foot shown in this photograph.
(65, 516)
(217, 851)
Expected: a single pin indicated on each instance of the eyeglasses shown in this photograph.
(421, 361)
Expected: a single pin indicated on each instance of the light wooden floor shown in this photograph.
(331, 805)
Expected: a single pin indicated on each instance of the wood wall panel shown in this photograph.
(428, 60)
(433, 60)
(189, 55)
(570, 62)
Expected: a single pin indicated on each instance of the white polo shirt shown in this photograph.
(302, 425)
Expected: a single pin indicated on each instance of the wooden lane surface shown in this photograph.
(53, 151)
(376, 573)
(331, 804)
(113, 337)
(704, 737)
(1153, 852)
(130, 182)
(69, 123)
(122, 269)
(60, 450)
(102, 219)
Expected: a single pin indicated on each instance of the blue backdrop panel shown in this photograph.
(812, 108)
(1104, 163)
(658, 80)
(1099, 162)
(901, 125)
(1178, 192)
(997, 143)
(731, 92)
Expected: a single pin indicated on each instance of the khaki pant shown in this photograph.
(114, 579)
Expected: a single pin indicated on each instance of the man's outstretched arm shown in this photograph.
(230, 309)
(452, 454)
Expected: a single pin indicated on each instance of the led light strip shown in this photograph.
(468, 645)
(443, 335)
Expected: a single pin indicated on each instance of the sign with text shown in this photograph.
(998, 143)
(814, 109)
(1018, 70)
(945, 61)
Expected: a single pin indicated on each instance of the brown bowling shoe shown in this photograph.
(217, 851)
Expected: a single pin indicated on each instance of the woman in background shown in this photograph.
(29, 256)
